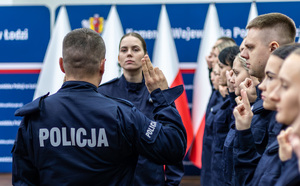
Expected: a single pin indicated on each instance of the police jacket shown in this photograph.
(289, 173)
(147, 172)
(269, 167)
(265, 169)
(80, 137)
(251, 143)
(206, 178)
(221, 127)
(227, 156)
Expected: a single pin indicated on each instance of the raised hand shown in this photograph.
(249, 87)
(242, 112)
(285, 147)
(154, 77)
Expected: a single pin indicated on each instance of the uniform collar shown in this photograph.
(80, 85)
(132, 86)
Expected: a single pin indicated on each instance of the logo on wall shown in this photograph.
(95, 23)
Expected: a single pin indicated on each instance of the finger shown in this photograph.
(281, 138)
(155, 73)
(160, 74)
(238, 100)
(149, 66)
(145, 69)
(248, 82)
(245, 100)
(289, 130)
(243, 86)
(236, 113)
(238, 110)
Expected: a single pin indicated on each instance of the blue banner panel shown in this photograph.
(187, 22)
(233, 19)
(16, 91)
(24, 33)
(290, 9)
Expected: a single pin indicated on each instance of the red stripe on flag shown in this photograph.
(20, 71)
(196, 149)
(188, 71)
(183, 109)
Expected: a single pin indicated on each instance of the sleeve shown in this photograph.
(174, 174)
(245, 157)
(162, 140)
(23, 170)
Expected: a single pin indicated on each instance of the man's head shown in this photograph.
(265, 34)
(83, 54)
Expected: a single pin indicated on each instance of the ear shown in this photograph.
(273, 45)
(61, 64)
(102, 66)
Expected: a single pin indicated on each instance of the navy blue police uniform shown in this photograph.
(264, 169)
(269, 166)
(214, 104)
(80, 137)
(290, 175)
(251, 143)
(147, 172)
(221, 127)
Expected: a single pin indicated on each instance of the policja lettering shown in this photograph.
(59, 137)
(150, 129)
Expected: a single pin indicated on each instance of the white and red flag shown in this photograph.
(51, 77)
(202, 87)
(165, 57)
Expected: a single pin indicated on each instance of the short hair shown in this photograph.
(227, 55)
(283, 51)
(225, 44)
(224, 38)
(284, 26)
(83, 49)
(134, 34)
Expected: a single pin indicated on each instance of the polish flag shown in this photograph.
(51, 77)
(202, 87)
(165, 57)
(112, 33)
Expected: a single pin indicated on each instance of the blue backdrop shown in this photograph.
(25, 33)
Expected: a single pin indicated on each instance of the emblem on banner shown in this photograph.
(95, 23)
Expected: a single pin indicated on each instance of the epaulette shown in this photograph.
(120, 100)
(31, 107)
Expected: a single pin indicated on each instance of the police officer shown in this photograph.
(131, 86)
(80, 137)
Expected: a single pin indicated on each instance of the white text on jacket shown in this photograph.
(73, 137)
